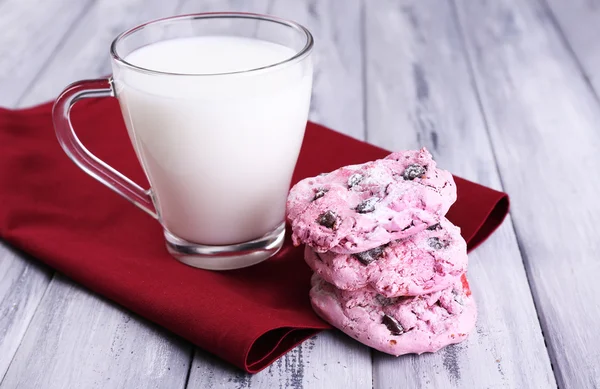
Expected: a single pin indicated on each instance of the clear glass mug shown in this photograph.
(218, 147)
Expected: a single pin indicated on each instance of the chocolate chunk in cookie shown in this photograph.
(458, 296)
(328, 219)
(366, 257)
(392, 325)
(434, 227)
(412, 224)
(355, 179)
(320, 193)
(385, 301)
(413, 171)
(367, 206)
(436, 243)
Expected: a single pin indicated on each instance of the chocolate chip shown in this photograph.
(328, 219)
(367, 206)
(392, 325)
(434, 227)
(318, 257)
(387, 189)
(458, 297)
(412, 224)
(366, 257)
(385, 301)
(320, 193)
(413, 171)
(436, 243)
(355, 179)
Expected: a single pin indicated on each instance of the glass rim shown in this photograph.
(300, 54)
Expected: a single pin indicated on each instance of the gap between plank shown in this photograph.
(189, 372)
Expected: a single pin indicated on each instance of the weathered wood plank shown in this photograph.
(330, 360)
(78, 340)
(420, 93)
(85, 53)
(22, 285)
(31, 32)
(543, 120)
(579, 21)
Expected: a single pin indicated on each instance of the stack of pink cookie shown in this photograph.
(389, 267)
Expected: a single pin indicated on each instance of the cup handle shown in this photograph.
(87, 161)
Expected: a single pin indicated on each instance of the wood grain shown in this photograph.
(543, 120)
(420, 93)
(579, 22)
(78, 340)
(31, 32)
(85, 51)
(22, 286)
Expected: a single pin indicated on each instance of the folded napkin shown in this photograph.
(249, 317)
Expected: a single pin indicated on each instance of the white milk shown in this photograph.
(218, 149)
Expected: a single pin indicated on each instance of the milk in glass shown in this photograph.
(219, 145)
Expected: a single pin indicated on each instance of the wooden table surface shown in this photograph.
(504, 92)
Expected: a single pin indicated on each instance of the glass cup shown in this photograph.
(218, 139)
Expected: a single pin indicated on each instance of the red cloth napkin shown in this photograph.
(250, 317)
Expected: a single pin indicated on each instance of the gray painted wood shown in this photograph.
(85, 51)
(420, 93)
(31, 32)
(330, 360)
(22, 285)
(543, 120)
(579, 22)
(78, 340)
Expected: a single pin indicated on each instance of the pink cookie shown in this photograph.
(426, 262)
(400, 325)
(360, 207)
